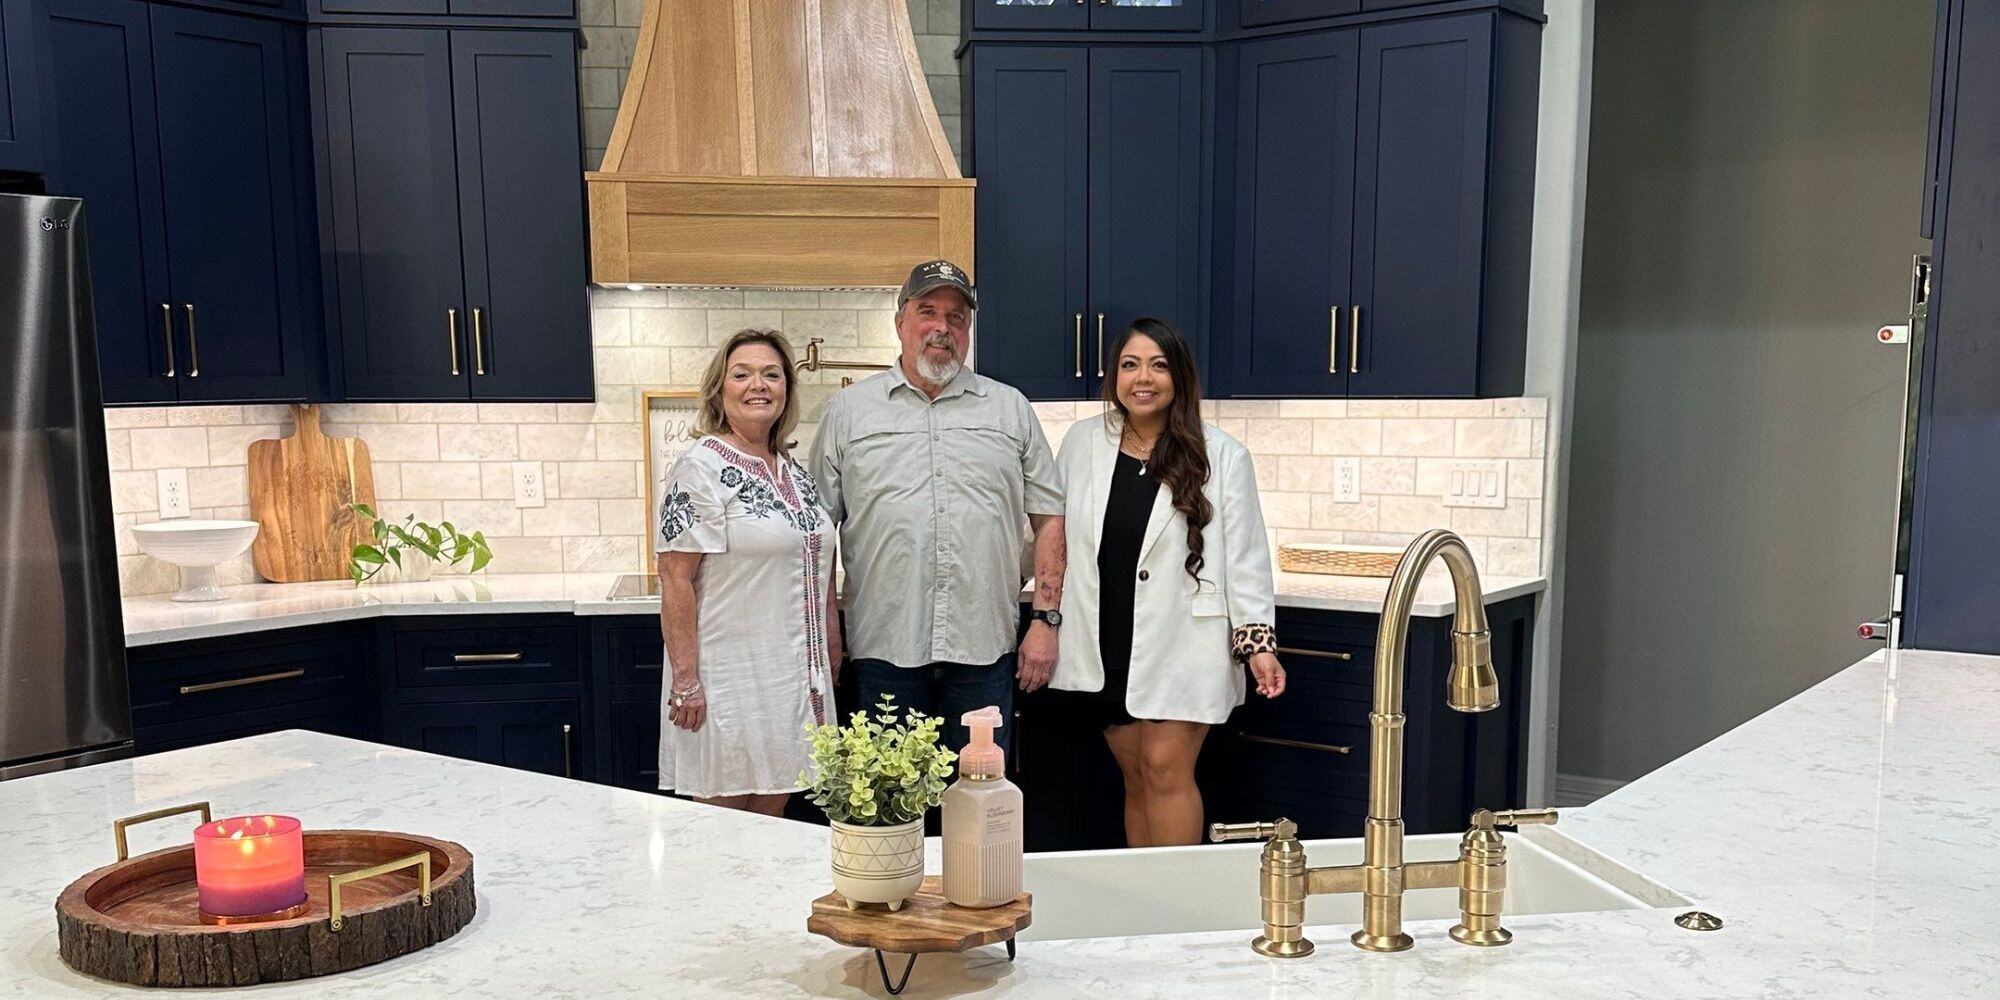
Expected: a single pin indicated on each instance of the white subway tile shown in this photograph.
(560, 518)
(559, 442)
(118, 449)
(408, 442)
(1416, 437)
(622, 517)
(1305, 474)
(427, 511)
(1266, 472)
(141, 575)
(1495, 437)
(526, 555)
(1513, 557)
(495, 518)
(883, 300)
(1388, 475)
(232, 444)
(1248, 407)
(435, 413)
(1523, 406)
(1538, 443)
(599, 480)
(359, 413)
(1524, 478)
(669, 327)
(1328, 515)
(601, 555)
(388, 480)
(1412, 513)
(136, 493)
(1347, 436)
(724, 323)
(685, 370)
(1510, 521)
(135, 416)
(218, 486)
(1433, 476)
(838, 327)
(1287, 510)
(517, 413)
(1383, 408)
(704, 298)
(878, 329)
(780, 298)
(610, 327)
(169, 447)
(1278, 436)
(479, 442)
(441, 481)
(1312, 407)
(203, 416)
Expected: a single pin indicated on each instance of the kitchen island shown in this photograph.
(1844, 837)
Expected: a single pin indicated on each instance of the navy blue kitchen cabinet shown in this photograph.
(190, 693)
(628, 666)
(184, 132)
(1089, 200)
(1293, 219)
(454, 170)
(1089, 15)
(455, 8)
(20, 89)
(503, 689)
(1258, 12)
(533, 735)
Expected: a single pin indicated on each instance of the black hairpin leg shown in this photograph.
(1010, 949)
(896, 987)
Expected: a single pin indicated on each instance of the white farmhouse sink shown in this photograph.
(1213, 887)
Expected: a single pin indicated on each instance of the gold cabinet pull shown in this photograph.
(478, 344)
(1333, 340)
(194, 349)
(1296, 744)
(1354, 341)
(119, 826)
(1100, 345)
(1315, 654)
(167, 331)
(1079, 331)
(421, 861)
(451, 336)
(486, 657)
(237, 682)
(566, 768)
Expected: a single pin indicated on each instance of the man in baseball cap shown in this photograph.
(935, 274)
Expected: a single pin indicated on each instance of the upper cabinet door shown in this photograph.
(1256, 12)
(1420, 205)
(403, 325)
(383, 6)
(1146, 15)
(1294, 215)
(1057, 15)
(236, 247)
(107, 154)
(1145, 192)
(515, 8)
(521, 213)
(20, 108)
(1030, 148)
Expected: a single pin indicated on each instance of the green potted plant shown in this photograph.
(875, 778)
(413, 547)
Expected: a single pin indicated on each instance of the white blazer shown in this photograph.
(1182, 667)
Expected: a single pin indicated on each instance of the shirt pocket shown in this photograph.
(982, 458)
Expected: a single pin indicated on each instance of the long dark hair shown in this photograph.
(1180, 456)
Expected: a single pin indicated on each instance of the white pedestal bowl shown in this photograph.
(197, 547)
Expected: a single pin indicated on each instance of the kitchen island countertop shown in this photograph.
(1844, 837)
(263, 606)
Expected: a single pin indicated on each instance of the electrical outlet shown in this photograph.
(173, 493)
(1346, 480)
(528, 485)
(1477, 482)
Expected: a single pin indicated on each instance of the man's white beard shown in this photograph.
(938, 373)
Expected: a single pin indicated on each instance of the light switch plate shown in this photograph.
(1346, 480)
(1477, 482)
(173, 493)
(528, 490)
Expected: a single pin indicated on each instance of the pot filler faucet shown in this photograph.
(1480, 873)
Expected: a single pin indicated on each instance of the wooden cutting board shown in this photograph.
(300, 487)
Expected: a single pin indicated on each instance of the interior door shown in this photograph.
(1420, 205)
(1145, 194)
(108, 154)
(1031, 141)
(521, 213)
(235, 264)
(1294, 215)
(393, 183)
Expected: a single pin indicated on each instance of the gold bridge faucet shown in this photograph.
(1480, 873)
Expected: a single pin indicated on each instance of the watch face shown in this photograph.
(1054, 618)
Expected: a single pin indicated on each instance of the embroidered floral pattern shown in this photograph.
(677, 514)
(1256, 637)
(763, 498)
(815, 619)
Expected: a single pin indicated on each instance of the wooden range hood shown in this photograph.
(776, 143)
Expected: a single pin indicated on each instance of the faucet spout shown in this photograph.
(1472, 687)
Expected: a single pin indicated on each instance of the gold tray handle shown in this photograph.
(119, 826)
(420, 860)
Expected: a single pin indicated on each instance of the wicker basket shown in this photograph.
(1339, 560)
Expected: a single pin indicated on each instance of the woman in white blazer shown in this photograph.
(1169, 589)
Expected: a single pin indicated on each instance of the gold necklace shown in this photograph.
(1150, 445)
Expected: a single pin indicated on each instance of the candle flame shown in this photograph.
(238, 835)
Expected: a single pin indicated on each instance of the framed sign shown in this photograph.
(670, 423)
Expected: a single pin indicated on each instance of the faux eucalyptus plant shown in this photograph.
(879, 771)
(441, 542)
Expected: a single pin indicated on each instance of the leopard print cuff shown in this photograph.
(1249, 640)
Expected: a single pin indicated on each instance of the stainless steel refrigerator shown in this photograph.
(63, 699)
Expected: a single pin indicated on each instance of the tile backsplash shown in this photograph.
(456, 460)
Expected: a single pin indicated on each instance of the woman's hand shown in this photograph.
(687, 711)
(1269, 672)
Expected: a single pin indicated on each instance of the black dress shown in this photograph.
(1127, 510)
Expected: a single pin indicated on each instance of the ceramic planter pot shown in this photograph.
(878, 864)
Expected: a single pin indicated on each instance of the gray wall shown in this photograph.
(1753, 192)
(611, 29)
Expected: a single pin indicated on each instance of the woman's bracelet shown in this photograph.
(675, 696)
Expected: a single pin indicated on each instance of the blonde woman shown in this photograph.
(746, 602)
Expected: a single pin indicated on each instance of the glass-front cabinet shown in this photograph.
(1088, 15)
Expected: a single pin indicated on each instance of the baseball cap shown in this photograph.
(934, 274)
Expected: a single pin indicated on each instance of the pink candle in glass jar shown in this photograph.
(247, 866)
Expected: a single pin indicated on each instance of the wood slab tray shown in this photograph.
(926, 923)
(136, 921)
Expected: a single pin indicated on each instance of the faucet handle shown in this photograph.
(1487, 819)
(1283, 829)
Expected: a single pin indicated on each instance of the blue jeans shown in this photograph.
(943, 689)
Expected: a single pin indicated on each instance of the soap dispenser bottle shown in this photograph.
(982, 821)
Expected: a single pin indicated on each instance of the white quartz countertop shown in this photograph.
(1845, 837)
(262, 606)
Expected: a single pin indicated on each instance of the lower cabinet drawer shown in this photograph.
(350, 717)
(223, 681)
(540, 735)
(496, 654)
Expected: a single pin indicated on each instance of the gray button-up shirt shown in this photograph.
(932, 499)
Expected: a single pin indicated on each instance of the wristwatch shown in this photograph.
(1052, 618)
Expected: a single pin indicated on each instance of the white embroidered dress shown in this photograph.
(767, 560)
